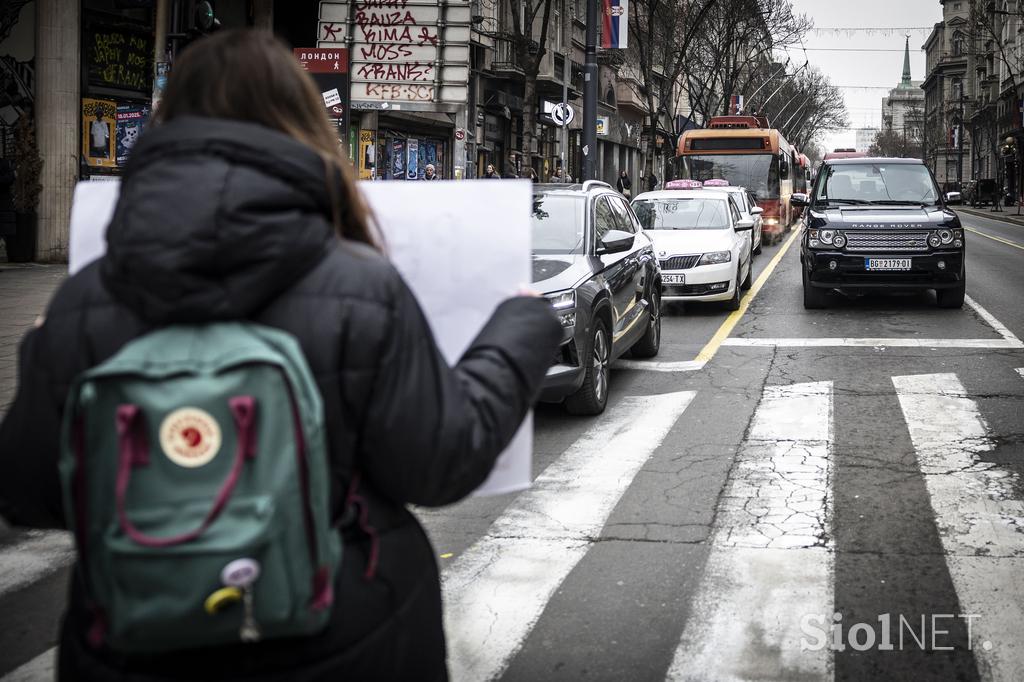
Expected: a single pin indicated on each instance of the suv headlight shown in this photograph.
(945, 235)
(564, 303)
(715, 257)
(826, 236)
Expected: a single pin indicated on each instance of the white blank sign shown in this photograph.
(463, 247)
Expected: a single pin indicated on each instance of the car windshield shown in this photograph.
(682, 213)
(558, 223)
(757, 172)
(877, 183)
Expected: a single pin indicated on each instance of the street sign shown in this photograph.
(562, 114)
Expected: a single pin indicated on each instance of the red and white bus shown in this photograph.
(748, 152)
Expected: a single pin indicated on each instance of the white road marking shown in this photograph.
(993, 322)
(32, 556)
(1020, 371)
(495, 593)
(978, 517)
(771, 561)
(42, 667)
(833, 342)
(643, 365)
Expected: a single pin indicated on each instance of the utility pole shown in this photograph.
(566, 66)
(590, 96)
(960, 144)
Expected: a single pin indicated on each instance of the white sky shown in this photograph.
(882, 69)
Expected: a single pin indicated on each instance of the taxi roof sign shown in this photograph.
(718, 182)
(683, 184)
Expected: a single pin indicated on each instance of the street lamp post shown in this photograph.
(590, 95)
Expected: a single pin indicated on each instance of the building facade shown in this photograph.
(903, 108)
(951, 96)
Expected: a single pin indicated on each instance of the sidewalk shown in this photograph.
(24, 292)
(1007, 215)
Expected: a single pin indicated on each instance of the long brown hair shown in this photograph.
(249, 75)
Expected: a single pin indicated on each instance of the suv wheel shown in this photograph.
(650, 342)
(814, 299)
(593, 394)
(953, 298)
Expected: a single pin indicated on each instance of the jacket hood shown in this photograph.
(215, 218)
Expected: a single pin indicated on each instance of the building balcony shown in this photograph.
(505, 58)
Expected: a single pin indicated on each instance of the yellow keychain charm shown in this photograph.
(221, 599)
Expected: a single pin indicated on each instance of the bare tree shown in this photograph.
(526, 14)
(807, 104)
(734, 50)
(662, 32)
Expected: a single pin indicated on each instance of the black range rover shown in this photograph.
(879, 224)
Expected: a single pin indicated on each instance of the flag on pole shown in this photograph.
(735, 104)
(615, 24)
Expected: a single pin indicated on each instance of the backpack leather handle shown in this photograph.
(134, 452)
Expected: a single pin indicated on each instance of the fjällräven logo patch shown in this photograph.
(190, 437)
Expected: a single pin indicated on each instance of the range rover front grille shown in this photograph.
(886, 241)
(679, 262)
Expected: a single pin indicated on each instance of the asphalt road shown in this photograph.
(852, 477)
(774, 472)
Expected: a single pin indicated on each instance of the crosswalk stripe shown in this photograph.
(32, 556)
(977, 516)
(770, 564)
(495, 593)
(42, 667)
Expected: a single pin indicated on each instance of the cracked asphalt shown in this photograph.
(865, 497)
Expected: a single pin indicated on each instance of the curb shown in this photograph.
(1012, 218)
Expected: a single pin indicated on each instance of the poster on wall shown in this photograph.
(131, 120)
(398, 160)
(367, 155)
(412, 167)
(430, 153)
(99, 121)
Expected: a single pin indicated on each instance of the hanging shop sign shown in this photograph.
(99, 121)
(330, 71)
(117, 54)
(413, 54)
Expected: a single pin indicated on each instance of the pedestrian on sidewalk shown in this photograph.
(491, 174)
(624, 184)
(430, 173)
(530, 174)
(511, 168)
(274, 231)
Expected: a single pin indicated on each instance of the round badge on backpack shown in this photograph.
(190, 437)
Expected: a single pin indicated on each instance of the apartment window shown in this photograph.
(956, 6)
(958, 44)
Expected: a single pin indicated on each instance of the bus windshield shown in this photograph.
(759, 173)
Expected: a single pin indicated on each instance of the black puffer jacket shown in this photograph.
(226, 220)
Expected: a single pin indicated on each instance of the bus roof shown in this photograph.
(730, 141)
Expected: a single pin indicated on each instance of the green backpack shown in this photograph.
(195, 478)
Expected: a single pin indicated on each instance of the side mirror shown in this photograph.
(757, 210)
(615, 241)
(799, 199)
(744, 225)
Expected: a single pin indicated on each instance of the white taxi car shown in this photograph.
(701, 240)
(748, 208)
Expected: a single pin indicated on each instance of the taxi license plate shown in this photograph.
(673, 279)
(887, 263)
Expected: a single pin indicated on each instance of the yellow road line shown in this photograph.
(994, 238)
(730, 322)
